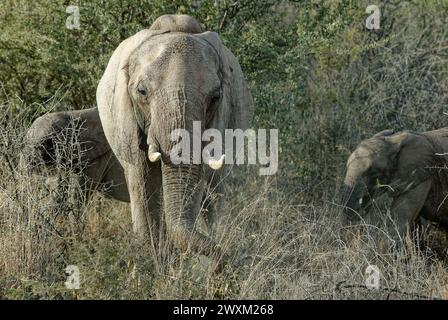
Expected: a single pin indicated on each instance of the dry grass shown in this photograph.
(281, 247)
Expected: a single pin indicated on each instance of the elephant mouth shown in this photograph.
(213, 163)
(355, 203)
(155, 154)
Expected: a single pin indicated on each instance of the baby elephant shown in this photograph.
(411, 167)
(74, 142)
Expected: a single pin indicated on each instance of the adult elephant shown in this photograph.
(159, 80)
(411, 167)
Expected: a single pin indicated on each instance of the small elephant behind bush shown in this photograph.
(71, 151)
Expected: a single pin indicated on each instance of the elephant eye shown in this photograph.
(142, 90)
(216, 96)
(211, 108)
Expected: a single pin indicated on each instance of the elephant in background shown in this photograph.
(411, 167)
(74, 142)
(157, 81)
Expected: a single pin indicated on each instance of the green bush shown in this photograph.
(39, 56)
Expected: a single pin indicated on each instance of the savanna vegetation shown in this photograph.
(316, 73)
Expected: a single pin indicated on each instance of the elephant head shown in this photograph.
(39, 150)
(70, 139)
(371, 166)
(164, 79)
(44, 141)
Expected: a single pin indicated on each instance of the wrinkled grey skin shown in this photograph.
(74, 141)
(410, 167)
(158, 80)
(176, 23)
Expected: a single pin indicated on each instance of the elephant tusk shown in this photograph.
(153, 155)
(217, 164)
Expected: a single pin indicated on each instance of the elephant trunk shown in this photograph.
(182, 194)
(353, 197)
(182, 184)
(350, 201)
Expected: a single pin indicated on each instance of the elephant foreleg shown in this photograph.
(407, 207)
(144, 184)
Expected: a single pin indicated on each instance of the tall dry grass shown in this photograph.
(280, 247)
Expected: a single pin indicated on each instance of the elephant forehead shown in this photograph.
(167, 47)
(362, 152)
(150, 52)
(360, 158)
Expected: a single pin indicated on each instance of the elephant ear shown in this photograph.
(91, 135)
(79, 131)
(412, 155)
(236, 109)
(240, 98)
(397, 141)
(384, 133)
(114, 102)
